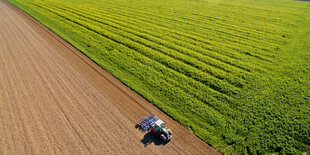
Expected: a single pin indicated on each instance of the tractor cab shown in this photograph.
(159, 125)
(160, 128)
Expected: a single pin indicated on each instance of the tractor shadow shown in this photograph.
(150, 138)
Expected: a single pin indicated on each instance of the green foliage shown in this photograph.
(236, 73)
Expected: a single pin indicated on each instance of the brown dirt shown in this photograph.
(54, 100)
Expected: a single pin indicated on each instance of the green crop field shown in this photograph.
(235, 72)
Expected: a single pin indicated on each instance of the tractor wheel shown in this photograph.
(163, 137)
(169, 131)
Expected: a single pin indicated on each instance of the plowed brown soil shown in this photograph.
(54, 100)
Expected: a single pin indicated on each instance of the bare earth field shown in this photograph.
(54, 100)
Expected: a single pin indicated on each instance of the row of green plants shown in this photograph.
(224, 11)
(205, 29)
(217, 38)
(96, 11)
(176, 39)
(183, 54)
(191, 19)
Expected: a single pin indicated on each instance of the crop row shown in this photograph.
(224, 11)
(184, 53)
(134, 50)
(182, 39)
(219, 39)
(190, 20)
(189, 25)
(200, 32)
(189, 40)
(162, 56)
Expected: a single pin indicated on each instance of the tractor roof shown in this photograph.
(159, 122)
